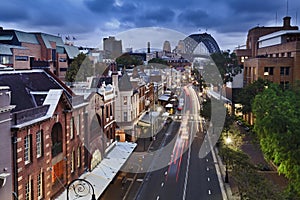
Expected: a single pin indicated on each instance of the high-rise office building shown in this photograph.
(112, 47)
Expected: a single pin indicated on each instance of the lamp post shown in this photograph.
(81, 189)
(227, 142)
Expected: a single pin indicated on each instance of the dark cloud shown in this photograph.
(86, 16)
(153, 17)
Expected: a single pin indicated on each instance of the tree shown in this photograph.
(277, 124)
(127, 60)
(80, 68)
(159, 61)
(248, 93)
(227, 65)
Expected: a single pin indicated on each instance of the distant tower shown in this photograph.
(148, 47)
(167, 46)
(112, 47)
(181, 47)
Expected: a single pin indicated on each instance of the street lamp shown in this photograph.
(81, 188)
(228, 140)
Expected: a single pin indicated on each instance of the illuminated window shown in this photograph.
(39, 143)
(125, 100)
(27, 149)
(78, 156)
(28, 193)
(40, 185)
(73, 162)
(72, 128)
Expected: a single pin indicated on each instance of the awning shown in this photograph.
(217, 96)
(105, 172)
(147, 118)
(164, 97)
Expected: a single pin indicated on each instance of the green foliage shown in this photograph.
(206, 109)
(80, 68)
(227, 65)
(126, 60)
(251, 185)
(248, 93)
(277, 126)
(159, 61)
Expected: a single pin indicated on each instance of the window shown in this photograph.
(281, 71)
(40, 185)
(287, 71)
(21, 58)
(39, 143)
(284, 71)
(269, 71)
(111, 110)
(28, 193)
(125, 100)
(78, 156)
(71, 128)
(62, 60)
(125, 117)
(6, 59)
(27, 149)
(73, 161)
(78, 124)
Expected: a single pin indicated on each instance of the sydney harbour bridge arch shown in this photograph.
(192, 41)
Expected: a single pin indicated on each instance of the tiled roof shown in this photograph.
(52, 38)
(26, 37)
(29, 88)
(124, 83)
(6, 49)
(72, 51)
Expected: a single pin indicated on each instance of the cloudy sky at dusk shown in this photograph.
(90, 20)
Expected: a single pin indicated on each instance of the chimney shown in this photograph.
(1, 28)
(287, 21)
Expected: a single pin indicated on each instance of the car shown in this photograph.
(246, 128)
(239, 123)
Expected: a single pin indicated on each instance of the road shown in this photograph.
(187, 176)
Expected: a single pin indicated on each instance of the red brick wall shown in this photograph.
(45, 163)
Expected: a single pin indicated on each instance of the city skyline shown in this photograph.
(88, 21)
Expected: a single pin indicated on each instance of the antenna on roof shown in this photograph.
(296, 17)
(287, 7)
(276, 18)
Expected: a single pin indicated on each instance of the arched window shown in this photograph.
(56, 137)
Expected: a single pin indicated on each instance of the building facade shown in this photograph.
(47, 128)
(6, 171)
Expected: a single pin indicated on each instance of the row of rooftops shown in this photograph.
(13, 38)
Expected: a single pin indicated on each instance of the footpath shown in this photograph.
(252, 149)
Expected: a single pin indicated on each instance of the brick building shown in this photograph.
(23, 50)
(47, 128)
(271, 53)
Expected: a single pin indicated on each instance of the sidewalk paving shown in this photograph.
(255, 154)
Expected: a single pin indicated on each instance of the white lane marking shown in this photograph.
(157, 198)
(207, 168)
(162, 184)
(166, 173)
(187, 167)
(209, 192)
(208, 179)
(206, 160)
